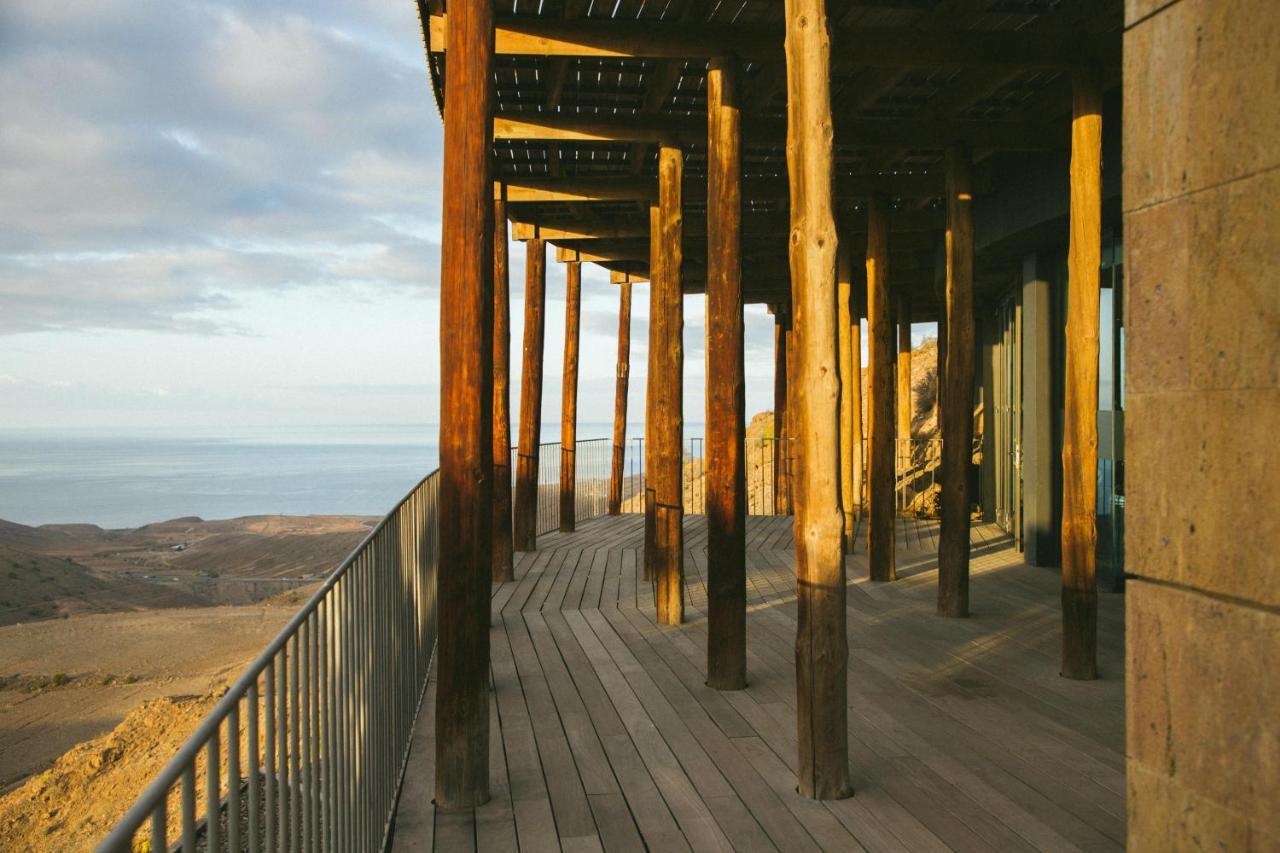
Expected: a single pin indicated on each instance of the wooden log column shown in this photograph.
(957, 396)
(726, 504)
(781, 477)
(822, 650)
(466, 414)
(791, 447)
(650, 496)
(1080, 418)
(502, 536)
(904, 381)
(880, 390)
(620, 399)
(844, 328)
(569, 397)
(666, 387)
(535, 304)
(855, 437)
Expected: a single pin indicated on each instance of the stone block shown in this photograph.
(1165, 817)
(1202, 723)
(1158, 317)
(1234, 282)
(1136, 10)
(1156, 87)
(1200, 90)
(1203, 481)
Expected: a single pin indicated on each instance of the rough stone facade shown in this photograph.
(1202, 236)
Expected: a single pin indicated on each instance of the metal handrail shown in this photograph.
(325, 751)
(325, 785)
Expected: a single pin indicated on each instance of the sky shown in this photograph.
(225, 214)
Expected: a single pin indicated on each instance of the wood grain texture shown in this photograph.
(957, 396)
(530, 439)
(666, 362)
(904, 380)
(617, 470)
(726, 499)
(596, 704)
(858, 298)
(822, 649)
(502, 532)
(650, 427)
(781, 393)
(880, 390)
(848, 381)
(569, 395)
(466, 416)
(1080, 420)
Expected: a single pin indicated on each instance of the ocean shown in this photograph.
(116, 478)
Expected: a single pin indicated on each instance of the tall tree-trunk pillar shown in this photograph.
(535, 303)
(726, 504)
(466, 414)
(822, 650)
(569, 397)
(620, 399)
(665, 552)
(880, 414)
(844, 329)
(957, 396)
(502, 556)
(855, 438)
(781, 475)
(904, 382)
(1080, 418)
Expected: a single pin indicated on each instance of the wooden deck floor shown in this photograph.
(962, 736)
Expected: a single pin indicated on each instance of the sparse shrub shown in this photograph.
(131, 679)
(60, 679)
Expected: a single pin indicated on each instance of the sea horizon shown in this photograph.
(125, 477)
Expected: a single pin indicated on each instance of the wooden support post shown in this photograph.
(620, 399)
(904, 382)
(957, 397)
(781, 435)
(726, 504)
(855, 344)
(666, 385)
(569, 397)
(466, 415)
(791, 467)
(1080, 418)
(502, 557)
(822, 649)
(650, 429)
(844, 328)
(880, 415)
(535, 303)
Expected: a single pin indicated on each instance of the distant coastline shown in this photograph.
(117, 478)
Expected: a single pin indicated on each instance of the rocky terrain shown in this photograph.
(114, 643)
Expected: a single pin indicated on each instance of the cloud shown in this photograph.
(159, 160)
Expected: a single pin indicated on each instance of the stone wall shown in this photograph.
(1202, 235)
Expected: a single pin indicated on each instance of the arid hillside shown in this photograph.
(130, 630)
(59, 570)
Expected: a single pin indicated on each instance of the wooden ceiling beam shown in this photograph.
(536, 36)
(526, 190)
(922, 225)
(870, 133)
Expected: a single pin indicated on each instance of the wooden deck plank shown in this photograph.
(604, 735)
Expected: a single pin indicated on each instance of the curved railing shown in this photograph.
(308, 746)
(306, 750)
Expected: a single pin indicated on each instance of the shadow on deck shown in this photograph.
(961, 734)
